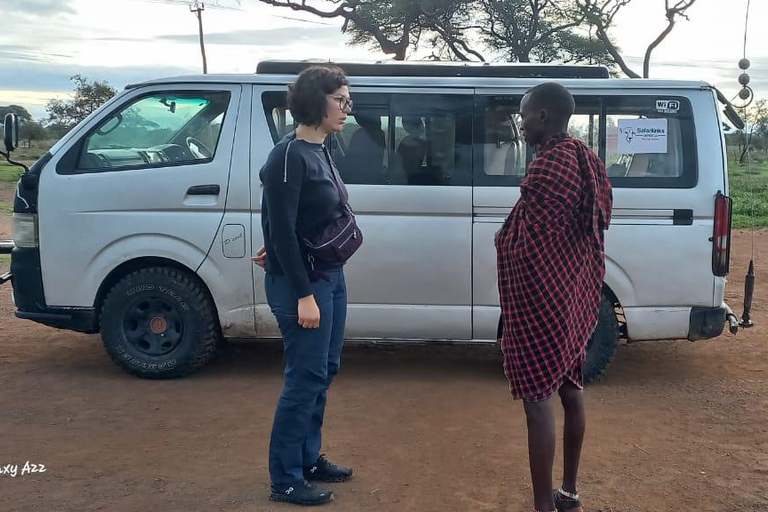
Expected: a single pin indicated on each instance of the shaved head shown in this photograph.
(546, 110)
(553, 97)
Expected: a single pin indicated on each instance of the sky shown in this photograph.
(44, 42)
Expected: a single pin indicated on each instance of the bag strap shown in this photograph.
(343, 194)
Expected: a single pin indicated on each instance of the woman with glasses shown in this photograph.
(303, 193)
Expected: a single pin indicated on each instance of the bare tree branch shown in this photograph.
(678, 10)
(559, 28)
(471, 51)
(601, 17)
(347, 10)
(454, 43)
(601, 14)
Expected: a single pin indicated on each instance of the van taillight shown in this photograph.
(721, 241)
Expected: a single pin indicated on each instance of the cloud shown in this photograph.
(33, 76)
(28, 53)
(38, 8)
(268, 37)
(722, 73)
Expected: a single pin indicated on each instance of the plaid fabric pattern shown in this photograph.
(551, 265)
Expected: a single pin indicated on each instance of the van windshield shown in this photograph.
(147, 123)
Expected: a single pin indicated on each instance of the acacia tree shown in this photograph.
(520, 30)
(539, 30)
(576, 31)
(24, 115)
(393, 25)
(88, 97)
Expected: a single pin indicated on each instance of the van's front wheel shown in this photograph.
(159, 323)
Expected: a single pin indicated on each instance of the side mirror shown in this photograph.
(11, 128)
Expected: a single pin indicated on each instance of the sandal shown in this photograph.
(566, 502)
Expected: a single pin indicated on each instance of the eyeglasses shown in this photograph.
(344, 102)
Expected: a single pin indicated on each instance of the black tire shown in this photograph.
(159, 323)
(603, 343)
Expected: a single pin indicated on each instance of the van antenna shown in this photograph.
(747, 96)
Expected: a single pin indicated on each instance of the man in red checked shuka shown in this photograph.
(551, 264)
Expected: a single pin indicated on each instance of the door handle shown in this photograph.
(203, 190)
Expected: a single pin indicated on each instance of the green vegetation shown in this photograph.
(749, 191)
(9, 173)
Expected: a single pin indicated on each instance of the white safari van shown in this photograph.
(141, 222)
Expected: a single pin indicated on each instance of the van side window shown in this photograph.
(636, 162)
(501, 140)
(585, 121)
(159, 130)
(501, 156)
(395, 139)
(500, 152)
(360, 150)
(431, 140)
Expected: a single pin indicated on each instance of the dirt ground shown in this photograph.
(672, 426)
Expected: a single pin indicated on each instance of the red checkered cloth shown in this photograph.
(551, 264)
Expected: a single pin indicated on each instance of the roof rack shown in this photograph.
(440, 69)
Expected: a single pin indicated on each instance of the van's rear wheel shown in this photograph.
(159, 323)
(603, 343)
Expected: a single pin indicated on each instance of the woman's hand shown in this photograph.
(261, 257)
(309, 313)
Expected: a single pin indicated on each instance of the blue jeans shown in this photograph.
(312, 358)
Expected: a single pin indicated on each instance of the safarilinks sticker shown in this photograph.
(642, 136)
(14, 470)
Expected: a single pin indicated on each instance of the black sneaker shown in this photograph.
(304, 493)
(324, 470)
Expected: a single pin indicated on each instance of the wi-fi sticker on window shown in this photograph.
(668, 106)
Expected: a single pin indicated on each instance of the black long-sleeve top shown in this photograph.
(300, 198)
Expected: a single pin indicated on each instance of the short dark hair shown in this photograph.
(306, 96)
(553, 97)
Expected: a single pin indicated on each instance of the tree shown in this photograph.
(88, 97)
(394, 26)
(20, 111)
(31, 130)
(539, 30)
(520, 30)
(567, 31)
(756, 129)
(601, 15)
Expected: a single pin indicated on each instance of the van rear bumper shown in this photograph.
(674, 323)
(27, 281)
(707, 323)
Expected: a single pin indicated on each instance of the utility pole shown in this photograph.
(198, 8)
